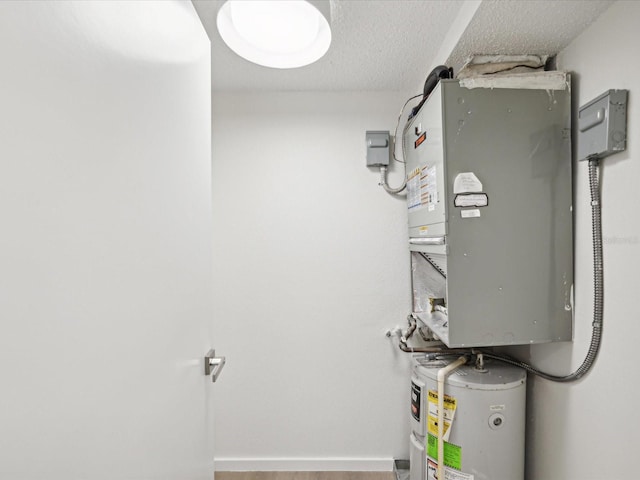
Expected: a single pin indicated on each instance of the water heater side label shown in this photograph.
(416, 393)
(452, 453)
(450, 405)
(449, 473)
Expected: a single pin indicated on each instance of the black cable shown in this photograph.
(395, 134)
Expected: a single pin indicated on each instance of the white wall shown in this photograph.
(591, 430)
(105, 243)
(311, 266)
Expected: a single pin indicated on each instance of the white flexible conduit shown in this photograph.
(598, 291)
(385, 185)
(442, 376)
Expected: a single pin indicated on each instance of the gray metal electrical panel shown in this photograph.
(602, 125)
(378, 148)
(490, 214)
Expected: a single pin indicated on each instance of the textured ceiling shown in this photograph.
(525, 26)
(390, 45)
(376, 45)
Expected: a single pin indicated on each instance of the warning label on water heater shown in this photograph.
(450, 404)
(449, 473)
(452, 452)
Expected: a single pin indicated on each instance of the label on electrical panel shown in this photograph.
(422, 188)
(450, 405)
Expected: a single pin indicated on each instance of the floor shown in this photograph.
(305, 476)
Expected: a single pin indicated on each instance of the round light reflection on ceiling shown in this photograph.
(275, 33)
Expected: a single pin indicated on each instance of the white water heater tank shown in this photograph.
(484, 421)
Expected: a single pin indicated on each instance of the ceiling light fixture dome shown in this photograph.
(276, 33)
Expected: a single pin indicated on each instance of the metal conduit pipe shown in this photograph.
(405, 348)
(440, 350)
(598, 292)
(385, 185)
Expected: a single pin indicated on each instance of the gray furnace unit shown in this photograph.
(490, 220)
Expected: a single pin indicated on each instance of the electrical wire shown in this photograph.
(598, 292)
(395, 133)
(385, 185)
(383, 168)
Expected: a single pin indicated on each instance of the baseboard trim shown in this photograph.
(339, 464)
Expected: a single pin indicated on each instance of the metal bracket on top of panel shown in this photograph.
(602, 125)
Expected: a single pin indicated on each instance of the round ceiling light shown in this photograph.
(276, 33)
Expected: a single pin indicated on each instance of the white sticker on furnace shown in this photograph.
(467, 183)
(470, 213)
(471, 200)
